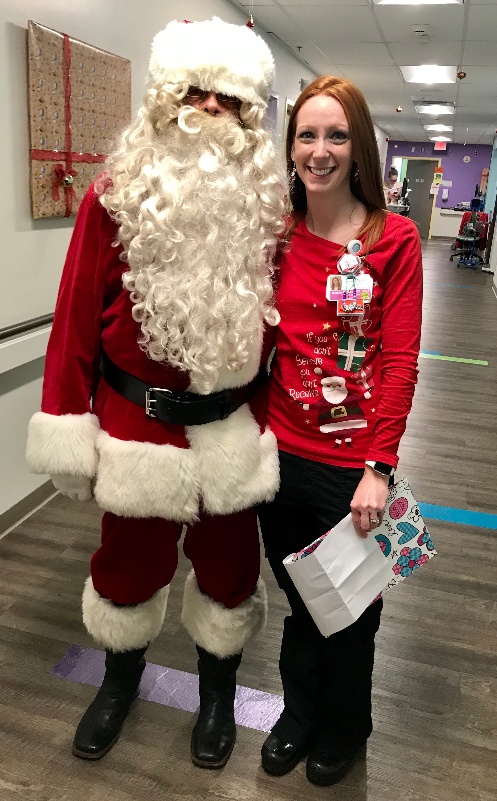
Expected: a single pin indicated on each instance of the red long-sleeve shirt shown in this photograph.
(373, 360)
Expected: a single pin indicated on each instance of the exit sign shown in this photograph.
(440, 145)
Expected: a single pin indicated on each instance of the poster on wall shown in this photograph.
(79, 99)
(289, 104)
(271, 115)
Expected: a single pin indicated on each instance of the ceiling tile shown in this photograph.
(275, 19)
(379, 75)
(369, 54)
(482, 23)
(336, 24)
(327, 69)
(486, 75)
(310, 52)
(345, 37)
(411, 53)
(445, 23)
(480, 90)
(480, 54)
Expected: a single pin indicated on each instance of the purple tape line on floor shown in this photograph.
(161, 685)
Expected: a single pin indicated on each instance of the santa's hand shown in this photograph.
(78, 488)
(369, 501)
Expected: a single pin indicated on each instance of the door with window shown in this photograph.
(420, 175)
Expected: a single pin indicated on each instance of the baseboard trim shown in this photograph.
(25, 506)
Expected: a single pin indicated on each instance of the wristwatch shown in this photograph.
(381, 467)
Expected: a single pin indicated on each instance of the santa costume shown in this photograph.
(165, 441)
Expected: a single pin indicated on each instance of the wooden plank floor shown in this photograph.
(435, 684)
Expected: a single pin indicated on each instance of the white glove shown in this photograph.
(78, 488)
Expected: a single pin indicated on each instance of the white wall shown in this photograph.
(32, 251)
(492, 182)
(493, 259)
(381, 140)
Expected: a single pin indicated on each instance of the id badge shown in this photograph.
(335, 286)
(348, 264)
(350, 306)
(364, 286)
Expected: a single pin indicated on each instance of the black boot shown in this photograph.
(100, 726)
(214, 733)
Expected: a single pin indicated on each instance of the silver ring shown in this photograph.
(374, 520)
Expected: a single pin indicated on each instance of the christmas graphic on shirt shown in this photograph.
(333, 381)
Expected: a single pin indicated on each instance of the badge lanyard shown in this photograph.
(349, 266)
(350, 303)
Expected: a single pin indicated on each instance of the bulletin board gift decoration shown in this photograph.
(79, 100)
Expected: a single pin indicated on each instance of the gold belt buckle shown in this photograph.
(339, 411)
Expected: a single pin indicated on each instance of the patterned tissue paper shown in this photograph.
(402, 535)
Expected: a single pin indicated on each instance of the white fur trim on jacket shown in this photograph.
(229, 467)
(63, 444)
(220, 630)
(215, 56)
(237, 466)
(123, 628)
(140, 479)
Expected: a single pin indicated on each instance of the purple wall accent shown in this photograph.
(464, 177)
(253, 708)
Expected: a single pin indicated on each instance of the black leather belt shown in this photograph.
(179, 408)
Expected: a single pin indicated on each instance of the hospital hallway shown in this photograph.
(435, 680)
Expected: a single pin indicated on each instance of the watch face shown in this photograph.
(382, 467)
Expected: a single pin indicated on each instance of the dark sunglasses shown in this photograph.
(199, 95)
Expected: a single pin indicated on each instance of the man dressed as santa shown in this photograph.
(153, 398)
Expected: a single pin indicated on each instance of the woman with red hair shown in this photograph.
(341, 388)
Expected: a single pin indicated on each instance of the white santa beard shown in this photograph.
(334, 396)
(195, 247)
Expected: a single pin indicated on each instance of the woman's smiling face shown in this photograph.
(322, 148)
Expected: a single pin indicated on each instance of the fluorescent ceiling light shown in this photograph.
(438, 127)
(429, 73)
(440, 139)
(435, 109)
(416, 2)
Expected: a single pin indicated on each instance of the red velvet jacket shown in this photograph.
(142, 467)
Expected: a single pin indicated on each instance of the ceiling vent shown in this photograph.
(421, 33)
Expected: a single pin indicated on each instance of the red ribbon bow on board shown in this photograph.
(65, 178)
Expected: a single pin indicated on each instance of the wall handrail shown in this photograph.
(27, 325)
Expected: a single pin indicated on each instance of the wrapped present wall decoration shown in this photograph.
(79, 100)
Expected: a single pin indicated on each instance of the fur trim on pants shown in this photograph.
(123, 628)
(219, 630)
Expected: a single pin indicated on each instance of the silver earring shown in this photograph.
(291, 178)
(356, 174)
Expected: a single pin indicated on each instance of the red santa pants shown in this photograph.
(138, 556)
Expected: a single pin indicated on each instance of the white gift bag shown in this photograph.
(340, 574)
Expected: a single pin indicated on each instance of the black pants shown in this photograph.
(326, 680)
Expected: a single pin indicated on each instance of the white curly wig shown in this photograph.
(199, 202)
